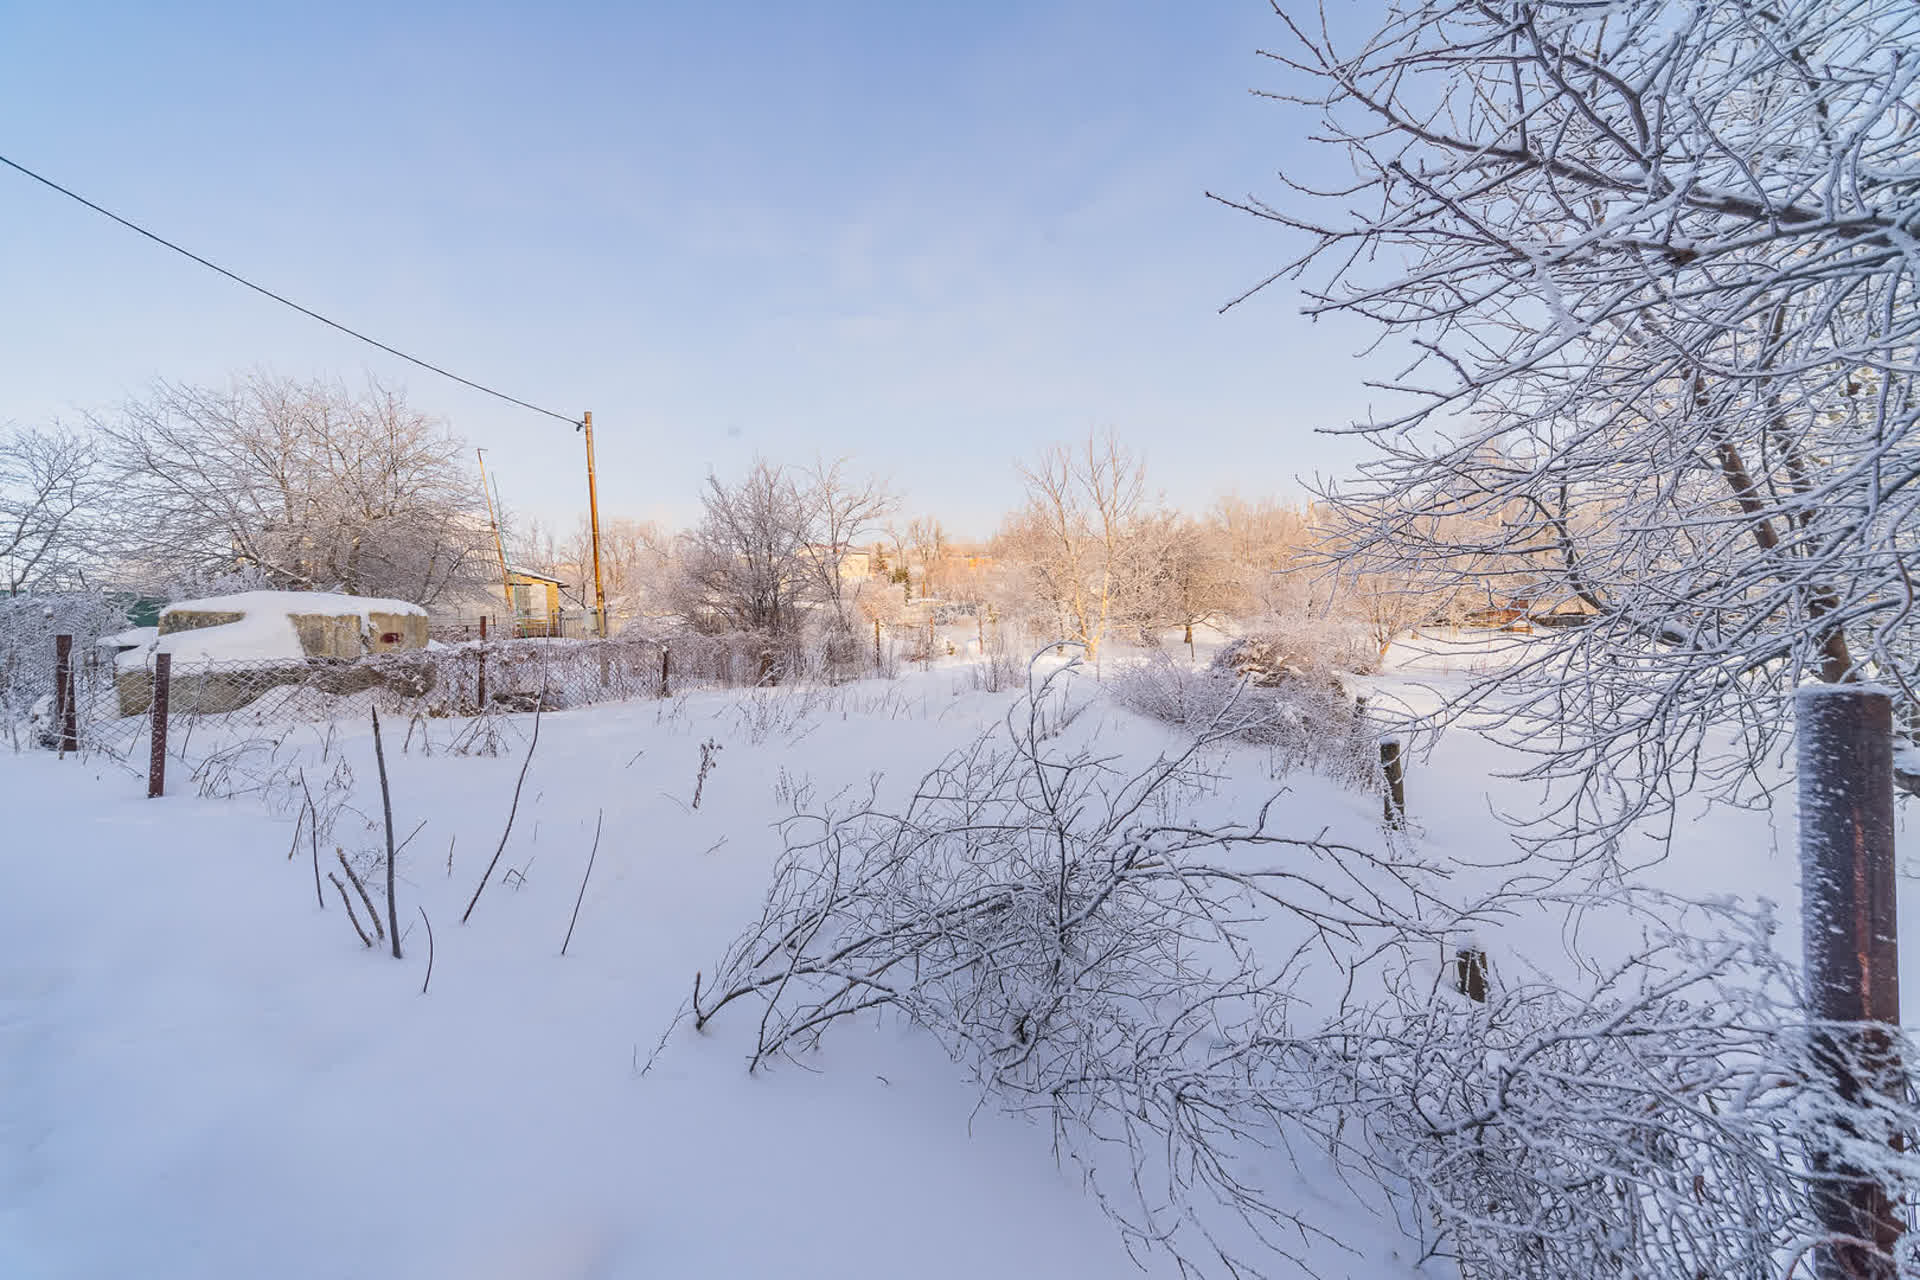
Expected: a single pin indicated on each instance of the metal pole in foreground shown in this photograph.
(157, 756)
(1845, 764)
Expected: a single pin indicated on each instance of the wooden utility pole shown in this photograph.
(499, 548)
(593, 523)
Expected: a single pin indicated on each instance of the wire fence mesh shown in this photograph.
(477, 678)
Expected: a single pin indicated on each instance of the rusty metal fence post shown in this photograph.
(70, 710)
(666, 664)
(62, 690)
(157, 754)
(1470, 973)
(1844, 751)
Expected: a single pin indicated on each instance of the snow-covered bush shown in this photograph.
(1102, 948)
(1072, 932)
(836, 647)
(788, 711)
(998, 669)
(1655, 1123)
(1305, 721)
(1278, 649)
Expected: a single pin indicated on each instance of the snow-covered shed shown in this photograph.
(283, 625)
(225, 649)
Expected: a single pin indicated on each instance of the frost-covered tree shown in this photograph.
(745, 564)
(636, 562)
(1078, 540)
(927, 541)
(52, 487)
(841, 510)
(1654, 266)
(773, 545)
(308, 484)
(1188, 576)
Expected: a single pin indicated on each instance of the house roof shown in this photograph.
(515, 571)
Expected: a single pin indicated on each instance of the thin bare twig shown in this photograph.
(313, 839)
(513, 809)
(386, 809)
(423, 920)
(581, 896)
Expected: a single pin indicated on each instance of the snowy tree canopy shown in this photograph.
(1655, 266)
(306, 485)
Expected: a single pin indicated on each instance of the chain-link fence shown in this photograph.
(29, 631)
(566, 624)
(478, 678)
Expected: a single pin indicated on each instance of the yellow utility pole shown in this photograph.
(593, 521)
(506, 580)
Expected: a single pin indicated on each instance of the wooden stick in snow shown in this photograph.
(361, 889)
(347, 902)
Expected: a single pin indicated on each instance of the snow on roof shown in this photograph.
(513, 569)
(265, 630)
(286, 602)
(131, 638)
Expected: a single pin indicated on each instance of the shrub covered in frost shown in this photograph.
(1277, 650)
(1304, 718)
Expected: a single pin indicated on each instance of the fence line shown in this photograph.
(478, 678)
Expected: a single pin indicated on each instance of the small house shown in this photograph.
(536, 602)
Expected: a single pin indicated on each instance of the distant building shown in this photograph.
(854, 565)
(228, 650)
(536, 602)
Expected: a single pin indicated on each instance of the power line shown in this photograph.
(284, 301)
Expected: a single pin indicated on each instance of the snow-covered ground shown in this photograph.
(204, 1074)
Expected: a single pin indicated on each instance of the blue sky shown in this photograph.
(931, 238)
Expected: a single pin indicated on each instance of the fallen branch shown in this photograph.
(347, 902)
(581, 897)
(365, 897)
